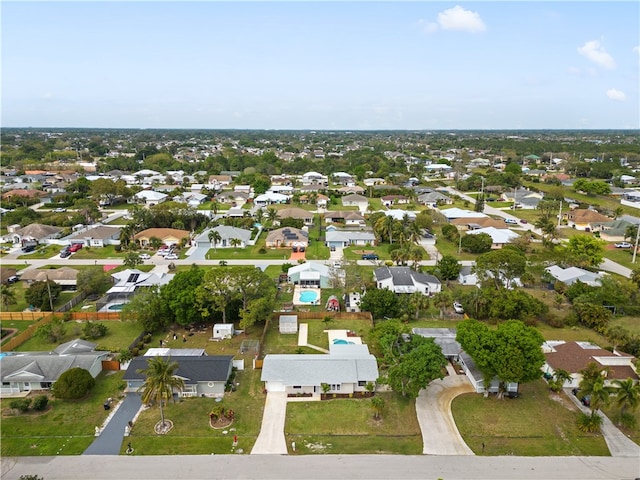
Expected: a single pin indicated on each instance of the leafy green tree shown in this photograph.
(159, 383)
(448, 267)
(53, 331)
(512, 352)
(442, 300)
(378, 404)
(93, 330)
(592, 315)
(217, 291)
(450, 232)
(418, 302)
(132, 260)
(93, 280)
(257, 310)
(381, 303)
(179, 295)
(635, 276)
(501, 267)
(585, 251)
(73, 384)
(43, 294)
(479, 243)
(108, 190)
(147, 308)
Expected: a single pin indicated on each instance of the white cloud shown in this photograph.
(457, 18)
(593, 51)
(614, 94)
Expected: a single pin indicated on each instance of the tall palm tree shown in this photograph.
(7, 296)
(627, 395)
(160, 382)
(214, 238)
(416, 254)
(597, 391)
(235, 242)
(442, 300)
(419, 302)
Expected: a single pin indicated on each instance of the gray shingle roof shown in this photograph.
(214, 368)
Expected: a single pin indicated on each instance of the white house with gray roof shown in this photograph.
(406, 280)
(338, 238)
(226, 233)
(574, 274)
(348, 368)
(26, 371)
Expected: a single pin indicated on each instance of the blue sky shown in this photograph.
(321, 65)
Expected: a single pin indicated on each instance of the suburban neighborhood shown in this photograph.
(306, 293)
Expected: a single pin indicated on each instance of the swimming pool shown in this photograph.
(116, 306)
(308, 296)
(340, 341)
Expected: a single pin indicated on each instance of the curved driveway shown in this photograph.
(440, 435)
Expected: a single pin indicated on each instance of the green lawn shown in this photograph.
(41, 252)
(21, 304)
(532, 425)
(19, 325)
(250, 252)
(623, 256)
(192, 435)
(346, 426)
(629, 323)
(355, 253)
(317, 251)
(66, 428)
(98, 253)
(445, 247)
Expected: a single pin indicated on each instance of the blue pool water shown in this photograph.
(340, 341)
(116, 306)
(309, 296)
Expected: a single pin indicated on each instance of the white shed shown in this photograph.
(223, 330)
(288, 324)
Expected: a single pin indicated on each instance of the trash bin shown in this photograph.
(106, 406)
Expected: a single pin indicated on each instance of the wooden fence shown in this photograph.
(29, 316)
(112, 365)
(26, 335)
(366, 316)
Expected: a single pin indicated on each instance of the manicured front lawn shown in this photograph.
(250, 252)
(623, 256)
(41, 252)
(98, 253)
(317, 251)
(192, 435)
(346, 426)
(66, 428)
(532, 425)
(445, 247)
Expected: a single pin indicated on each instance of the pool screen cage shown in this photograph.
(112, 298)
(250, 347)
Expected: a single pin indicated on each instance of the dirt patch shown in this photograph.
(562, 400)
(163, 428)
(221, 422)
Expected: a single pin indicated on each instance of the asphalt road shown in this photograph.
(325, 467)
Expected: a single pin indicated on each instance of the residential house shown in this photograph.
(355, 200)
(499, 236)
(96, 236)
(64, 276)
(168, 236)
(453, 213)
(614, 231)
(434, 199)
(150, 197)
(467, 276)
(585, 219)
(28, 371)
(270, 198)
(573, 357)
(310, 274)
(477, 223)
(237, 199)
(18, 193)
(523, 198)
(389, 200)
(339, 238)
(36, 233)
(287, 237)
(348, 218)
(351, 189)
(370, 182)
(406, 280)
(347, 369)
(298, 214)
(126, 282)
(571, 275)
(221, 180)
(400, 215)
(343, 178)
(314, 178)
(203, 375)
(193, 199)
(227, 234)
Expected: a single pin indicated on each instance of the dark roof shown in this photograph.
(403, 275)
(214, 368)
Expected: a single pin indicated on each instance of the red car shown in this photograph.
(75, 247)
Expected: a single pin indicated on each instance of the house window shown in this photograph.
(335, 387)
(297, 386)
(362, 383)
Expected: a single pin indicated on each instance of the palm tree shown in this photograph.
(235, 242)
(560, 376)
(160, 382)
(597, 391)
(416, 254)
(419, 302)
(442, 300)
(627, 395)
(214, 238)
(385, 226)
(377, 403)
(7, 296)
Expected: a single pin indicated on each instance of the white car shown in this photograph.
(171, 256)
(144, 256)
(458, 307)
(623, 245)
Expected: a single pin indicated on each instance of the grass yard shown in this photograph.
(119, 336)
(317, 251)
(250, 252)
(445, 247)
(98, 253)
(623, 256)
(19, 325)
(41, 252)
(346, 426)
(633, 433)
(355, 253)
(192, 435)
(65, 428)
(532, 425)
(632, 324)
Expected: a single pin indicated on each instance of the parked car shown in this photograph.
(13, 279)
(623, 245)
(369, 256)
(457, 307)
(75, 247)
(59, 210)
(523, 221)
(171, 256)
(294, 249)
(65, 254)
(28, 248)
(302, 249)
(145, 256)
(510, 220)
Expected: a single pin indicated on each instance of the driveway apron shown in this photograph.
(271, 438)
(440, 435)
(110, 440)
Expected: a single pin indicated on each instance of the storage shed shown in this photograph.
(288, 324)
(222, 330)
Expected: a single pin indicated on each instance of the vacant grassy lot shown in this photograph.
(347, 426)
(631, 324)
(192, 434)
(65, 428)
(532, 425)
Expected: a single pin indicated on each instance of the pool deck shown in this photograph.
(298, 290)
(342, 335)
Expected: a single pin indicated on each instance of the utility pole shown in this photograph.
(635, 247)
(560, 214)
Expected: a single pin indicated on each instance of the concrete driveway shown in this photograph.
(271, 438)
(440, 435)
(110, 440)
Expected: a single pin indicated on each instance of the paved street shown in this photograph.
(325, 467)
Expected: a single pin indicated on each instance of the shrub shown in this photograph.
(21, 404)
(146, 338)
(94, 330)
(40, 403)
(262, 251)
(135, 351)
(73, 384)
(554, 321)
(589, 423)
